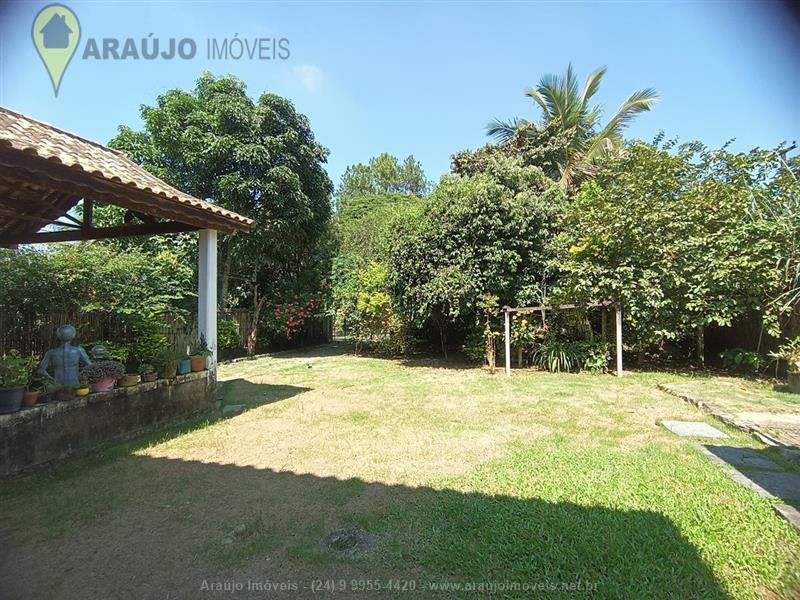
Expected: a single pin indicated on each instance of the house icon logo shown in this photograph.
(56, 33)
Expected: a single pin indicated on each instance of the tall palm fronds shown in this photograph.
(561, 98)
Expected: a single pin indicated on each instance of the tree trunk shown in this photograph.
(491, 351)
(604, 323)
(700, 346)
(252, 336)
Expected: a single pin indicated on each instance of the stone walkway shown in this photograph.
(747, 467)
(772, 428)
(783, 426)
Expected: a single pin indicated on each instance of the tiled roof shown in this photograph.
(84, 157)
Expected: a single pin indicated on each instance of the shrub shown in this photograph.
(790, 352)
(475, 343)
(228, 334)
(167, 357)
(114, 350)
(596, 356)
(15, 370)
(146, 368)
(737, 359)
(148, 341)
(557, 356)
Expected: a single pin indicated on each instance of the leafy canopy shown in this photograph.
(478, 234)
(383, 174)
(674, 236)
(258, 158)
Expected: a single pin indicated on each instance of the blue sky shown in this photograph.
(425, 78)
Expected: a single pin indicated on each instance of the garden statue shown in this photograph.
(66, 359)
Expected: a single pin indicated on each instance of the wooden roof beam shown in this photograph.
(83, 184)
(96, 234)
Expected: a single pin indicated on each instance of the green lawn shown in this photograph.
(564, 484)
(736, 395)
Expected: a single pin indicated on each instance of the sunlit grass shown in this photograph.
(461, 476)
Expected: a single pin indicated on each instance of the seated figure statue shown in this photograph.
(65, 360)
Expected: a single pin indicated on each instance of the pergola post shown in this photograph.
(619, 340)
(207, 293)
(508, 340)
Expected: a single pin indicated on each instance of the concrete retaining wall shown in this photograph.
(55, 430)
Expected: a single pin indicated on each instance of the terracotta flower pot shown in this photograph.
(30, 398)
(11, 398)
(198, 363)
(128, 380)
(148, 377)
(104, 385)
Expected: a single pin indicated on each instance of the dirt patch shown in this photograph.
(349, 543)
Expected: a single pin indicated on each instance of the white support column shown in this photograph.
(508, 341)
(619, 340)
(207, 294)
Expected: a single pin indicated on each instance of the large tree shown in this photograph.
(257, 158)
(477, 236)
(363, 301)
(383, 174)
(678, 236)
(372, 199)
(565, 102)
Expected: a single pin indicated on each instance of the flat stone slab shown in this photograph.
(740, 457)
(230, 410)
(790, 513)
(694, 429)
(785, 486)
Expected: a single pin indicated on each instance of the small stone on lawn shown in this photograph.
(694, 429)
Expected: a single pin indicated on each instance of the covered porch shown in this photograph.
(45, 174)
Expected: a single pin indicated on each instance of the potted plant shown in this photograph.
(103, 374)
(34, 389)
(129, 379)
(83, 388)
(167, 363)
(200, 355)
(185, 363)
(65, 392)
(147, 372)
(30, 397)
(790, 352)
(15, 372)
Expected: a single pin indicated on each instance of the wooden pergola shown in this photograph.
(542, 309)
(45, 172)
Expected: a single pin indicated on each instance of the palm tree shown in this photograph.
(562, 101)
